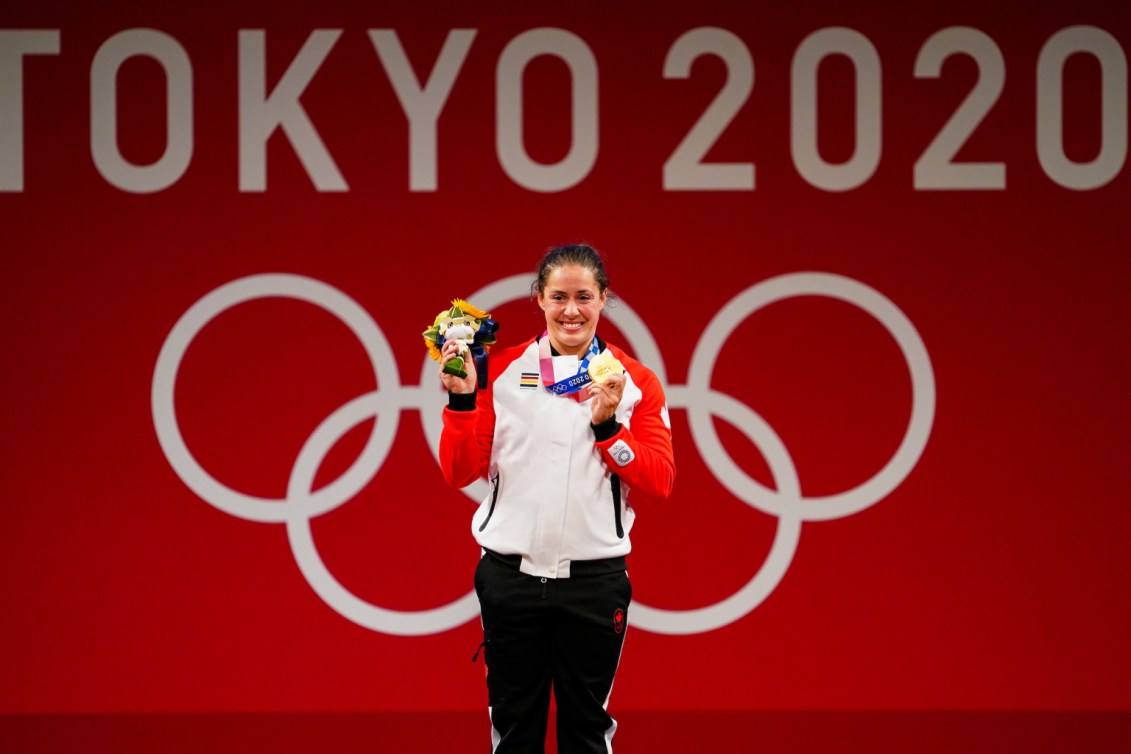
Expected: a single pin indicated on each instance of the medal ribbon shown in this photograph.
(570, 384)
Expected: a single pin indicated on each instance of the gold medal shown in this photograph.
(604, 365)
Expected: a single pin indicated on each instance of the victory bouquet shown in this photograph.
(472, 328)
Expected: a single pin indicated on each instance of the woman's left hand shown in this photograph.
(606, 397)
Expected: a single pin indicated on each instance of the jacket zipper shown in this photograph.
(494, 497)
(614, 482)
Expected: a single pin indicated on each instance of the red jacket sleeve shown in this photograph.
(642, 456)
(465, 442)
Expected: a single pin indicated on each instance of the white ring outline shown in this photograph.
(880, 485)
(770, 574)
(301, 504)
(269, 285)
(343, 601)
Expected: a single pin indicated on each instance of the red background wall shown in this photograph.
(994, 577)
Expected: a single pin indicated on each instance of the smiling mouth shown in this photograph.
(571, 326)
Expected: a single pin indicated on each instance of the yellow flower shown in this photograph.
(467, 308)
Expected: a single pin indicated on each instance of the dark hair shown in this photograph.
(579, 254)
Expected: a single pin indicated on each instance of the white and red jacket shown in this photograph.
(560, 490)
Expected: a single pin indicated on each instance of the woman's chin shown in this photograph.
(572, 340)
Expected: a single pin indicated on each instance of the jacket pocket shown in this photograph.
(494, 498)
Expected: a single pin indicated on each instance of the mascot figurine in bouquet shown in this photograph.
(472, 328)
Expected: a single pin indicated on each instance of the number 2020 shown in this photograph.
(936, 168)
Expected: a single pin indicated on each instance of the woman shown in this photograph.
(568, 470)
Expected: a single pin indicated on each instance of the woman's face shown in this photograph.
(572, 302)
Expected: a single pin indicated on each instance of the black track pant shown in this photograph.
(564, 633)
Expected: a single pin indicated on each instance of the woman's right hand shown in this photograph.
(453, 383)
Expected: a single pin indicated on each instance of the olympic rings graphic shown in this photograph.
(302, 503)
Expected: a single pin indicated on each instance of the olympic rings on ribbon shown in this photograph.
(302, 502)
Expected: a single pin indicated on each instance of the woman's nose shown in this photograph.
(571, 308)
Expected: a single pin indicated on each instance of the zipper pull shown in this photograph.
(477, 651)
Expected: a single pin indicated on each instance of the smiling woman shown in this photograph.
(553, 590)
(571, 288)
